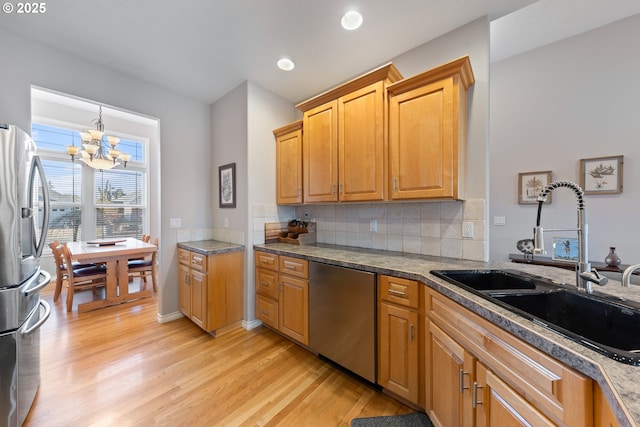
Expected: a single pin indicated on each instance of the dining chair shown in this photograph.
(146, 267)
(81, 278)
(61, 267)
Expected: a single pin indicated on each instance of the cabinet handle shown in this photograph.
(395, 185)
(333, 189)
(264, 261)
(462, 374)
(340, 188)
(290, 267)
(265, 312)
(411, 333)
(394, 292)
(196, 260)
(299, 191)
(474, 400)
(264, 283)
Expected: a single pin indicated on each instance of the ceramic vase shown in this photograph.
(612, 259)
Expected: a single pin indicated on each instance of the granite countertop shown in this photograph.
(618, 381)
(210, 247)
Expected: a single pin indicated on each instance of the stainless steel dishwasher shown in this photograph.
(342, 317)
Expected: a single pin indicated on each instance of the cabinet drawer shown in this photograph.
(266, 260)
(184, 256)
(267, 311)
(294, 267)
(399, 291)
(198, 261)
(267, 283)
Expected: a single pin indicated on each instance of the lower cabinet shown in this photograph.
(210, 289)
(479, 375)
(282, 294)
(497, 404)
(399, 337)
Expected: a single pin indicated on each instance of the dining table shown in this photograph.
(115, 254)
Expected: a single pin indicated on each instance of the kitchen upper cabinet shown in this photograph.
(289, 164)
(427, 133)
(344, 140)
(362, 145)
(320, 153)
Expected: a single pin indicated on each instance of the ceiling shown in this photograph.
(205, 48)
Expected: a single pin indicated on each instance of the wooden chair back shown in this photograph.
(83, 277)
(60, 268)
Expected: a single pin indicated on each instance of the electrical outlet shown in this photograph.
(175, 222)
(499, 220)
(467, 229)
(226, 222)
(373, 225)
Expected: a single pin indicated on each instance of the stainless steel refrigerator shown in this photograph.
(24, 218)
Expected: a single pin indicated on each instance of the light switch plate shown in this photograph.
(499, 220)
(175, 223)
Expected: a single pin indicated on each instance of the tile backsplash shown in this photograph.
(427, 228)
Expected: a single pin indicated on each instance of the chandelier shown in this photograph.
(99, 150)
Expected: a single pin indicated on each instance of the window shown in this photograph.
(87, 203)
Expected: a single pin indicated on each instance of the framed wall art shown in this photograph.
(565, 249)
(601, 175)
(530, 184)
(227, 177)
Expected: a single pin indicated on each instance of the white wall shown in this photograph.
(551, 107)
(185, 133)
(242, 132)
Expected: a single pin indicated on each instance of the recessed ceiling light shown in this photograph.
(286, 64)
(351, 20)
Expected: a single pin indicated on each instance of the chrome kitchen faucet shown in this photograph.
(585, 275)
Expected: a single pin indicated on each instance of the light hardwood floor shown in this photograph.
(119, 367)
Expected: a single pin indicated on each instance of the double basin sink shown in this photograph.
(608, 325)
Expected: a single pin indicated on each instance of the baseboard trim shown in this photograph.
(251, 324)
(168, 317)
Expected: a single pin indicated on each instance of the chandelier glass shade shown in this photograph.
(98, 150)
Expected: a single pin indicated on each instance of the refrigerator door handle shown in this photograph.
(37, 167)
(42, 284)
(45, 316)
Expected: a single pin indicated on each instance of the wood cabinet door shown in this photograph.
(184, 289)
(398, 359)
(497, 404)
(289, 167)
(449, 378)
(320, 153)
(422, 158)
(361, 144)
(198, 298)
(294, 308)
